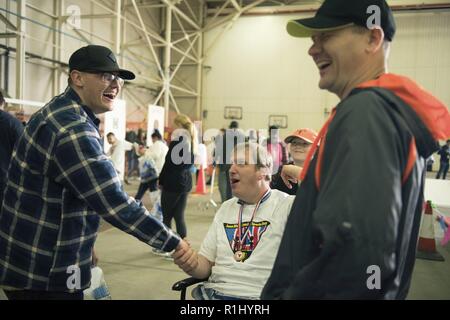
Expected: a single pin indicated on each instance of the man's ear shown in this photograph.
(375, 39)
(77, 78)
(262, 173)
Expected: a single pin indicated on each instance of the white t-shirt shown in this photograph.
(157, 151)
(247, 278)
(117, 154)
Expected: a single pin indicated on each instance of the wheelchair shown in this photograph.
(182, 285)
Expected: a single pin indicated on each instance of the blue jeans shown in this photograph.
(443, 169)
(151, 185)
(202, 293)
(133, 164)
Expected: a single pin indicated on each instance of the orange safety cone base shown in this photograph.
(201, 184)
(426, 247)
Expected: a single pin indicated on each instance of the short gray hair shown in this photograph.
(258, 156)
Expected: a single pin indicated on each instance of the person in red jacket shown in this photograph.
(353, 228)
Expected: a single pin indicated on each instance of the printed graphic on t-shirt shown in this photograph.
(248, 240)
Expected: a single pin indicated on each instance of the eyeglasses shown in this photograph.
(108, 77)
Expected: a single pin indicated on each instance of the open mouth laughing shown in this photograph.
(109, 96)
(323, 66)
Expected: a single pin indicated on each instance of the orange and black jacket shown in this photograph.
(358, 209)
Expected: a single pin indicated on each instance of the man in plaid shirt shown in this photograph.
(60, 183)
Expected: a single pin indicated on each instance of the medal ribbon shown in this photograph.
(240, 240)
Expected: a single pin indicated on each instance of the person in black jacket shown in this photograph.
(10, 131)
(299, 142)
(225, 144)
(175, 178)
(353, 228)
(444, 152)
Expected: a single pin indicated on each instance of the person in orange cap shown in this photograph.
(299, 142)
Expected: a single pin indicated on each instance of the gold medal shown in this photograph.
(238, 256)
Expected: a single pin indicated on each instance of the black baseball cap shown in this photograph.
(337, 14)
(233, 125)
(97, 58)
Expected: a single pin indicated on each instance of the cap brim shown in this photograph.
(290, 138)
(304, 28)
(124, 74)
(127, 75)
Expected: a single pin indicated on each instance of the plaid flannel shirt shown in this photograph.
(60, 182)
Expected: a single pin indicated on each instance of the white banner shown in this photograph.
(116, 122)
(155, 120)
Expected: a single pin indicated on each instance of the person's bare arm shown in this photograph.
(290, 173)
(192, 263)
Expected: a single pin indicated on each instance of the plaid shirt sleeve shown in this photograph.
(80, 164)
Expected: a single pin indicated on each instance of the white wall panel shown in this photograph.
(38, 74)
(258, 66)
(421, 49)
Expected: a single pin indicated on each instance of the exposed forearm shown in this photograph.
(292, 171)
(203, 268)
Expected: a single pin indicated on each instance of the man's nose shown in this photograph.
(233, 168)
(115, 84)
(314, 50)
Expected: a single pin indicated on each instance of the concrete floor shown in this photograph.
(133, 272)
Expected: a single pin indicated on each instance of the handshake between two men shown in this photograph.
(190, 262)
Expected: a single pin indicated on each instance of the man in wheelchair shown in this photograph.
(239, 250)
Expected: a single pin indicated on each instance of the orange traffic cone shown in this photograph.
(201, 184)
(427, 244)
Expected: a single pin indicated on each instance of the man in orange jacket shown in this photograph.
(353, 228)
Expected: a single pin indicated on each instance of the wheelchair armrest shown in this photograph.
(183, 284)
